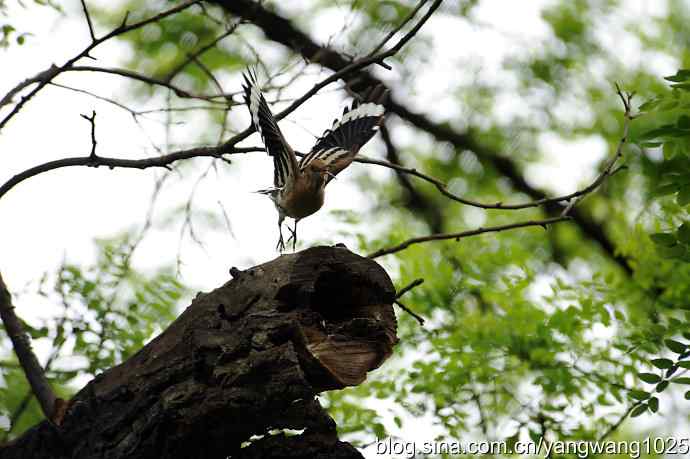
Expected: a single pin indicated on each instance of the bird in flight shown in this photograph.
(298, 186)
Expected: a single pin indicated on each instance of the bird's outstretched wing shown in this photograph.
(284, 160)
(338, 146)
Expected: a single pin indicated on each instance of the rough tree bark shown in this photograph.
(242, 360)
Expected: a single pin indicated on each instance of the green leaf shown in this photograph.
(662, 363)
(680, 76)
(669, 150)
(661, 386)
(682, 86)
(684, 364)
(683, 122)
(676, 252)
(663, 239)
(649, 105)
(639, 394)
(683, 233)
(649, 378)
(687, 395)
(668, 131)
(683, 198)
(664, 190)
(653, 404)
(681, 380)
(675, 346)
(638, 410)
(650, 144)
(534, 436)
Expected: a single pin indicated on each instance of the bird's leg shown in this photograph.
(293, 235)
(281, 244)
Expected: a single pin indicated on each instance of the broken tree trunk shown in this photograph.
(242, 360)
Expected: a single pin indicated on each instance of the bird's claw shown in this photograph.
(280, 247)
(293, 238)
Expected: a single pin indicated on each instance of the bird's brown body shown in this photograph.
(305, 196)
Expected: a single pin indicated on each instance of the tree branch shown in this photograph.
(156, 161)
(457, 236)
(179, 92)
(201, 51)
(27, 359)
(402, 306)
(92, 120)
(407, 288)
(45, 77)
(88, 20)
(397, 29)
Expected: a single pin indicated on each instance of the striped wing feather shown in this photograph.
(338, 146)
(284, 160)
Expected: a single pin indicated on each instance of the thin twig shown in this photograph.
(45, 77)
(92, 120)
(403, 291)
(156, 161)
(457, 236)
(419, 318)
(88, 20)
(613, 427)
(409, 287)
(200, 51)
(352, 67)
(390, 34)
(179, 92)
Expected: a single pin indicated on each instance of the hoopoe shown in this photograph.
(298, 189)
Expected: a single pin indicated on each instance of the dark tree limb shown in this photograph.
(27, 359)
(242, 360)
(145, 163)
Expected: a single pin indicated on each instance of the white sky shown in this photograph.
(59, 213)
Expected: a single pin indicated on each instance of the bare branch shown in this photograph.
(419, 318)
(179, 92)
(38, 78)
(48, 75)
(410, 286)
(390, 34)
(138, 113)
(92, 120)
(145, 163)
(22, 347)
(608, 169)
(457, 236)
(134, 113)
(88, 20)
(402, 306)
(358, 64)
(196, 54)
(408, 36)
